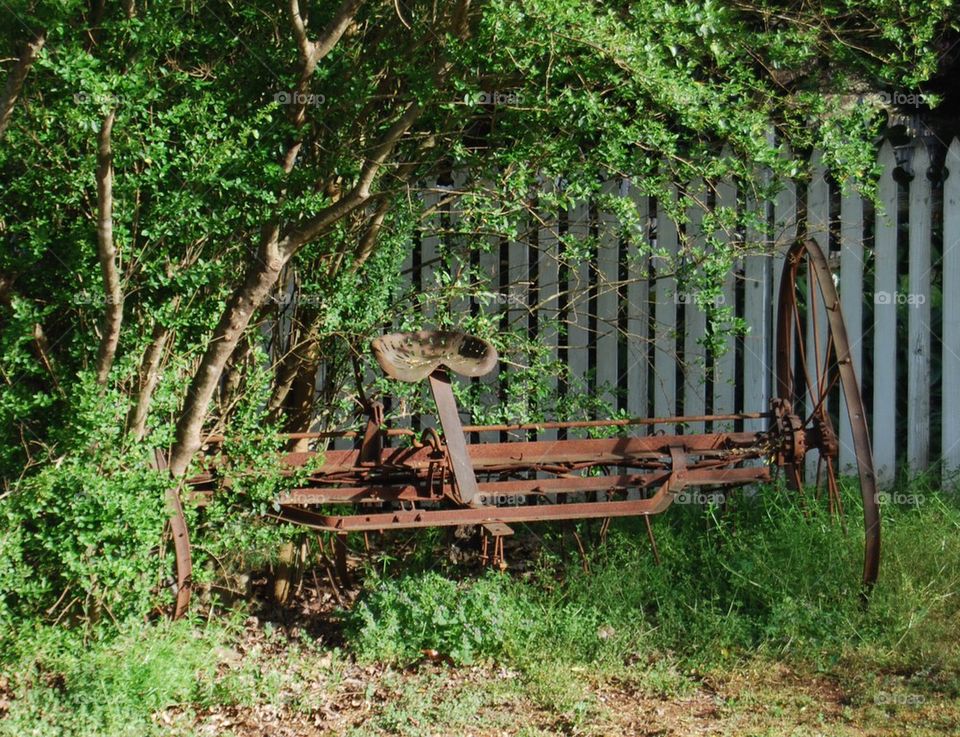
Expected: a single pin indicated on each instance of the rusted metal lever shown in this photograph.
(372, 444)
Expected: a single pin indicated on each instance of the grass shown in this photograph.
(117, 683)
(766, 578)
(63, 685)
(762, 589)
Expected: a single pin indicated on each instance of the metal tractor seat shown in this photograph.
(414, 356)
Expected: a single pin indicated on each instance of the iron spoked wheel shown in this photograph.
(813, 361)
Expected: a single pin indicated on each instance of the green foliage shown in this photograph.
(118, 682)
(399, 619)
(731, 593)
(79, 541)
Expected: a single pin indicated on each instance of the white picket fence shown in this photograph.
(636, 342)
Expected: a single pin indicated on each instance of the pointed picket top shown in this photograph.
(953, 158)
(887, 185)
(920, 185)
(785, 206)
(887, 158)
(818, 201)
(817, 168)
(920, 159)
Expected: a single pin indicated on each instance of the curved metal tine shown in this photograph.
(816, 480)
(823, 367)
(837, 502)
(817, 329)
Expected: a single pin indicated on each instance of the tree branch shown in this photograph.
(360, 192)
(149, 376)
(311, 52)
(16, 78)
(314, 51)
(275, 253)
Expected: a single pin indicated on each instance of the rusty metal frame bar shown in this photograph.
(409, 519)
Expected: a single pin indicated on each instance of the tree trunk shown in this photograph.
(107, 254)
(232, 378)
(261, 278)
(302, 396)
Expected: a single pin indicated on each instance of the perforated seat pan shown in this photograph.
(414, 356)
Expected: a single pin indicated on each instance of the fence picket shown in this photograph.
(489, 275)
(665, 315)
(458, 257)
(851, 301)
(638, 309)
(951, 314)
(515, 292)
(429, 255)
(578, 303)
(608, 277)
(784, 233)
(918, 311)
(756, 312)
(724, 367)
(400, 415)
(818, 227)
(694, 316)
(885, 322)
(548, 290)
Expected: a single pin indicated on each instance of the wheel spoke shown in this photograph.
(802, 350)
(816, 410)
(814, 322)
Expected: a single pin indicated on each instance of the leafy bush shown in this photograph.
(399, 618)
(82, 540)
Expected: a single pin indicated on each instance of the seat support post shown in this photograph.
(453, 435)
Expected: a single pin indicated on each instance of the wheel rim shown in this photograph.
(826, 366)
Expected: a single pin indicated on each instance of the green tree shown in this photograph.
(171, 169)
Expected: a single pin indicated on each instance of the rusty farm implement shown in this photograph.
(442, 480)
